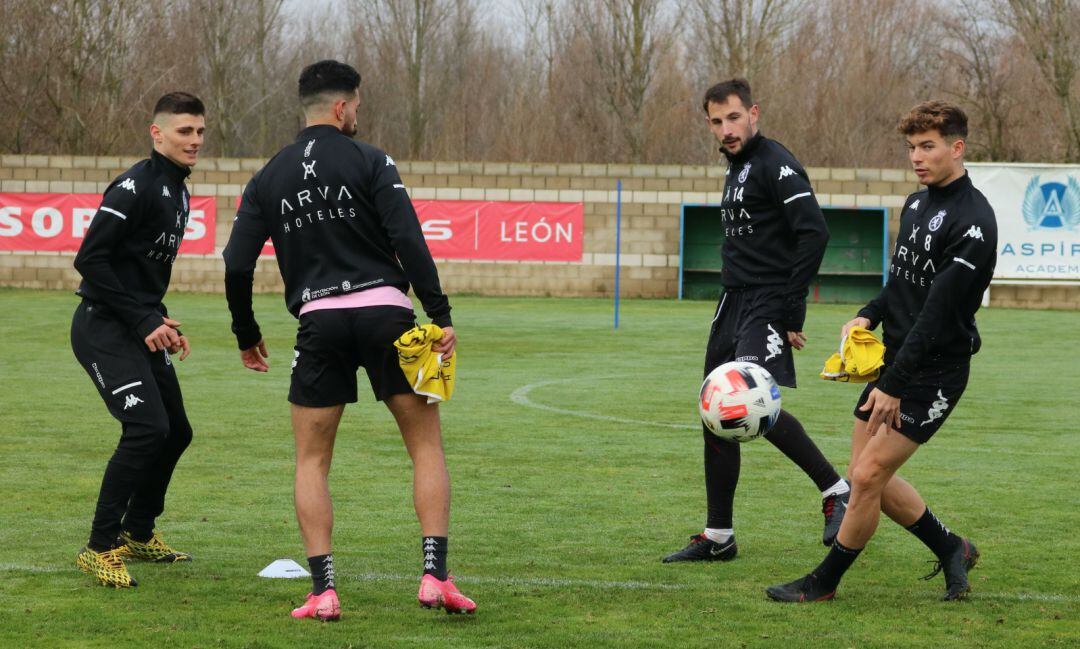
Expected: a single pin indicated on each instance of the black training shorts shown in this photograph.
(928, 400)
(332, 344)
(747, 327)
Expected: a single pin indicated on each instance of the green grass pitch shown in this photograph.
(576, 461)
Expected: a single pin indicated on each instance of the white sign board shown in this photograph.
(1038, 216)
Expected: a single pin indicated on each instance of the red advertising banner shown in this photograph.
(58, 222)
(499, 230)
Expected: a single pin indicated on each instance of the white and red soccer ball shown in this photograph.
(739, 401)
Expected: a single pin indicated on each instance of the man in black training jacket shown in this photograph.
(774, 240)
(943, 261)
(348, 245)
(122, 336)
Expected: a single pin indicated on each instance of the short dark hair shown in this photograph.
(179, 103)
(719, 93)
(944, 117)
(327, 76)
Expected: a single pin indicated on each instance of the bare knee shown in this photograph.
(868, 476)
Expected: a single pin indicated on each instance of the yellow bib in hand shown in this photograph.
(428, 373)
(859, 360)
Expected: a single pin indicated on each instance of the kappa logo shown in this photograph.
(309, 169)
(774, 343)
(307, 149)
(937, 409)
(129, 183)
(390, 161)
(745, 173)
(296, 358)
(915, 205)
(130, 401)
(975, 232)
(935, 222)
(165, 191)
(785, 171)
(1052, 205)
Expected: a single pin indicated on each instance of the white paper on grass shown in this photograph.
(284, 569)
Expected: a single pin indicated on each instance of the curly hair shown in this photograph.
(935, 115)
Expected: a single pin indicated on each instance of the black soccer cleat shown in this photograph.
(702, 548)
(833, 508)
(956, 567)
(803, 589)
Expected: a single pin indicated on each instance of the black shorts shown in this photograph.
(332, 344)
(928, 400)
(747, 327)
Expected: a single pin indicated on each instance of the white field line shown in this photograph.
(546, 582)
(520, 396)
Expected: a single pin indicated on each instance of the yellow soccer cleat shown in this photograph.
(108, 567)
(155, 550)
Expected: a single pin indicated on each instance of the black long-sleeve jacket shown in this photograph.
(340, 220)
(943, 262)
(774, 231)
(127, 255)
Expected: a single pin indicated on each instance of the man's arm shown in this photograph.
(396, 213)
(114, 220)
(800, 207)
(874, 311)
(965, 259)
(249, 233)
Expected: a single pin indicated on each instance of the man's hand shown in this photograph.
(854, 322)
(797, 339)
(446, 344)
(164, 337)
(184, 347)
(883, 409)
(254, 358)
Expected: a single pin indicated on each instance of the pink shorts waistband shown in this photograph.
(378, 296)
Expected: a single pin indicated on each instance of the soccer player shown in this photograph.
(348, 245)
(123, 336)
(774, 240)
(941, 265)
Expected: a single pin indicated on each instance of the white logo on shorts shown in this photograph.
(296, 358)
(130, 401)
(774, 343)
(937, 410)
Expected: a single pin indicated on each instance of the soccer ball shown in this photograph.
(739, 401)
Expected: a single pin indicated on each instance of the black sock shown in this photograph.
(722, 461)
(836, 563)
(322, 573)
(435, 556)
(934, 534)
(790, 437)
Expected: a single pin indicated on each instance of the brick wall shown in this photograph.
(651, 199)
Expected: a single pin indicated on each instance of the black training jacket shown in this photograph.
(774, 231)
(942, 264)
(340, 220)
(127, 255)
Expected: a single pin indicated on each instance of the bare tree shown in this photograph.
(740, 37)
(1051, 31)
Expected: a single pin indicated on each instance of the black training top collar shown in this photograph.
(174, 171)
(748, 149)
(953, 188)
(318, 130)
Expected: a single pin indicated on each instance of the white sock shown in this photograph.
(718, 536)
(839, 489)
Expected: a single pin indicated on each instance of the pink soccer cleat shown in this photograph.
(323, 607)
(443, 594)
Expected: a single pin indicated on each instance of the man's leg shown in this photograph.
(878, 461)
(418, 422)
(899, 500)
(315, 430)
(148, 501)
